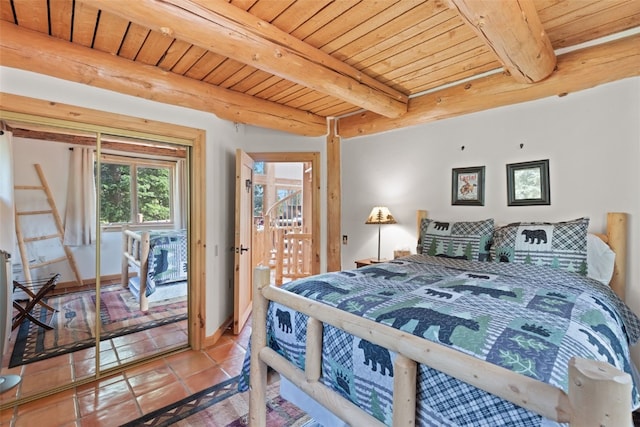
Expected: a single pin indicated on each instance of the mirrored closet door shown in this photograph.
(99, 268)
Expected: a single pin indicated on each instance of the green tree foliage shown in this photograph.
(154, 194)
(115, 193)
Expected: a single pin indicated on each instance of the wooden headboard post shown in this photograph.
(617, 240)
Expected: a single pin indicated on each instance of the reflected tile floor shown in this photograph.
(126, 396)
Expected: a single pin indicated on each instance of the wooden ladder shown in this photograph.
(53, 212)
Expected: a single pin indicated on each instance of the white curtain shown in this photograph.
(80, 217)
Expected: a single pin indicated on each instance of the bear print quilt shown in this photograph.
(529, 319)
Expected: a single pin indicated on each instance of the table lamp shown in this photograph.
(380, 215)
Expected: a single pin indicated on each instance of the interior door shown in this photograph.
(243, 228)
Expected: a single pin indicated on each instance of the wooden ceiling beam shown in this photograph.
(36, 52)
(249, 40)
(577, 70)
(513, 31)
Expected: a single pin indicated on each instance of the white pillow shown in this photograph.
(600, 259)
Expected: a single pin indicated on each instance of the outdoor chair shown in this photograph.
(35, 291)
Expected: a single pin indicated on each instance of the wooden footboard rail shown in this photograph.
(599, 394)
(135, 251)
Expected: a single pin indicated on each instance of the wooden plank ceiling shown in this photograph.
(292, 64)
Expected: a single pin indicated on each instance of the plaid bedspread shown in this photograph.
(529, 319)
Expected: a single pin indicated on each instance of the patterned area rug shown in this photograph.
(74, 322)
(222, 406)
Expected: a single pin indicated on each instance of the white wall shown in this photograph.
(591, 138)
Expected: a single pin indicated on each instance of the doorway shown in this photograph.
(284, 224)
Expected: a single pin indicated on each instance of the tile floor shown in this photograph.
(126, 396)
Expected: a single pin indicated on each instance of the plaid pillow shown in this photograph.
(465, 240)
(560, 245)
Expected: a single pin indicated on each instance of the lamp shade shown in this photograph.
(380, 215)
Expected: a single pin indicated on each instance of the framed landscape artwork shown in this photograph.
(528, 183)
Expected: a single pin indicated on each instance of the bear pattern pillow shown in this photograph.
(560, 245)
(463, 239)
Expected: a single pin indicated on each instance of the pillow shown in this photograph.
(464, 240)
(600, 259)
(560, 245)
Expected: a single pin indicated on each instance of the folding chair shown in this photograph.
(35, 298)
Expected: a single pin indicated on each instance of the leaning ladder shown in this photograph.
(52, 212)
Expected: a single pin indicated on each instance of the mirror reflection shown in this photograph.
(80, 198)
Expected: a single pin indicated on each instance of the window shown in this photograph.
(136, 191)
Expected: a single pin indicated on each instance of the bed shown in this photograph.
(444, 340)
(158, 261)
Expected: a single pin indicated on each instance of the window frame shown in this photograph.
(140, 162)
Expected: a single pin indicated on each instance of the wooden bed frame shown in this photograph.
(131, 241)
(598, 392)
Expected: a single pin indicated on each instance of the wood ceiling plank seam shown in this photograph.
(360, 12)
(441, 45)
(410, 24)
(277, 85)
(269, 10)
(624, 23)
(188, 60)
(372, 25)
(479, 67)
(321, 102)
(562, 12)
(237, 77)
(585, 13)
(371, 56)
(133, 41)
(305, 99)
(110, 33)
(7, 11)
(223, 71)
(60, 16)
(591, 25)
(33, 14)
(428, 42)
(320, 19)
(297, 14)
(205, 65)
(174, 53)
(338, 110)
(153, 48)
(256, 77)
(243, 4)
(261, 80)
(442, 59)
(418, 79)
(557, 23)
(85, 20)
(289, 93)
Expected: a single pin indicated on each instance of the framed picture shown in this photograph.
(467, 186)
(528, 183)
